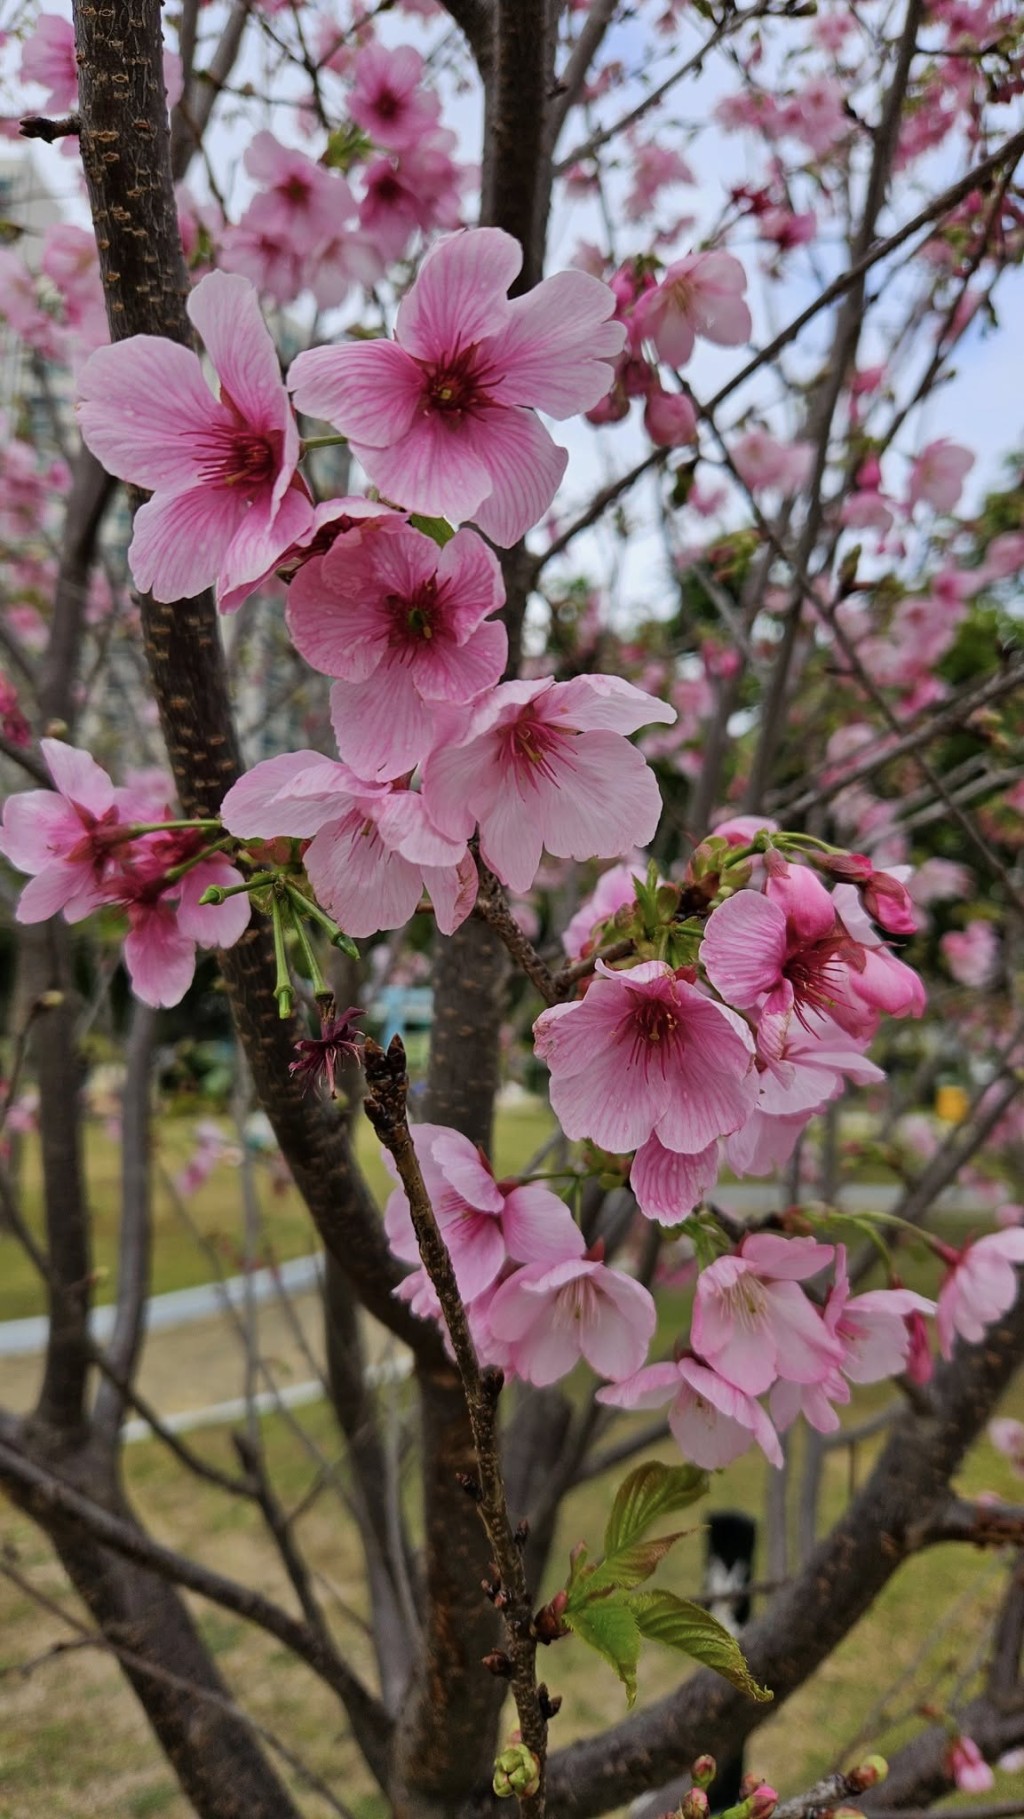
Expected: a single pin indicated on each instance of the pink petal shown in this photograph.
(462, 1166)
(438, 467)
(744, 947)
(609, 804)
(78, 776)
(161, 961)
(452, 890)
(460, 293)
(55, 888)
(180, 540)
(538, 1226)
(608, 704)
(369, 390)
(213, 924)
(669, 1185)
(38, 826)
(383, 726)
(142, 405)
(651, 1387)
(526, 470)
(256, 807)
(363, 885)
(405, 827)
(261, 540)
(226, 311)
(554, 352)
(615, 1340)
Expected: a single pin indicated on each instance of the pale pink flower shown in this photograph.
(972, 954)
(63, 837)
(374, 848)
(298, 199)
(547, 1317)
(711, 1420)
(817, 115)
(981, 1285)
(645, 1054)
(788, 951)
(968, 1768)
(386, 99)
(762, 461)
(753, 1323)
(699, 295)
(443, 418)
(938, 474)
(405, 627)
(872, 1328)
(1007, 1436)
(485, 1224)
(48, 57)
(547, 765)
(227, 500)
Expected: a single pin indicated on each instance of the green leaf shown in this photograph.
(652, 1491)
(663, 1617)
(610, 1627)
(622, 1571)
(437, 529)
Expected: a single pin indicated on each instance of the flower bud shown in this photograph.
(704, 1771)
(867, 1774)
(762, 1802)
(695, 1805)
(516, 1772)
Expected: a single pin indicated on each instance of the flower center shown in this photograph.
(456, 386)
(417, 618)
(244, 458)
(535, 750)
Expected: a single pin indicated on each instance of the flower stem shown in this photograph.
(284, 991)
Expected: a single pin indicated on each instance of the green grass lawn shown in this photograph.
(179, 1259)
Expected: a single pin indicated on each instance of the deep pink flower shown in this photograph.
(405, 627)
(751, 1320)
(374, 848)
(387, 100)
(547, 765)
(645, 1053)
(443, 417)
(669, 419)
(699, 295)
(547, 1317)
(484, 1223)
(63, 837)
(712, 1421)
(982, 1284)
(226, 498)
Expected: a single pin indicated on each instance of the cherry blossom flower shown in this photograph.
(1007, 1436)
(547, 765)
(753, 1323)
(699, 295)
(937, 476)
(789, 951)
(547, 1317)
(711, 1420)
(63, 837)
(386, 99)
(872, 1328)
(485, 1223)
(972, 954)
(981, 1285)
(762, 461)
(645, 1054)
(226, 497)
(968, 1768)
(373, 847)
(48, 57)
(406, 628)
(443, 417)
